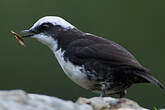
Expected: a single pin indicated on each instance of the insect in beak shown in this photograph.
(19, 38)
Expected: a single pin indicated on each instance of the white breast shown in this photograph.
(72, 71)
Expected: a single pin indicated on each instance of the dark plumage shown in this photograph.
(109, 68)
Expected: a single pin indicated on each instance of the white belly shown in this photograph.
(73, 72)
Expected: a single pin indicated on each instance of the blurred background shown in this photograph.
(138, 25)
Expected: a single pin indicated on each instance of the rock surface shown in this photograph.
(20, 100)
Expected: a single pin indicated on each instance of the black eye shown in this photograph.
(58, 26)
(44, 27)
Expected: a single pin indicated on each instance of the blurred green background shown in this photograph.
(138, 25)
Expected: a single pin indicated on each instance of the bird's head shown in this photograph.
(47, 28)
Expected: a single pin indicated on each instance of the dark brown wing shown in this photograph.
(99, 54)
(111, 53)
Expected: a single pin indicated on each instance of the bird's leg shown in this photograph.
(123, 93)
(102, 91)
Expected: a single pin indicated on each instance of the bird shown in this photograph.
(92, 62)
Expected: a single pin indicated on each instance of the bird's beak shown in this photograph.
(29, 33)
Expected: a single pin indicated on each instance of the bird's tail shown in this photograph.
(147, 76)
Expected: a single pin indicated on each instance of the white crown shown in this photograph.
(55, 20)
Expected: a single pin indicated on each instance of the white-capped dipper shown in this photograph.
(92, 62)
